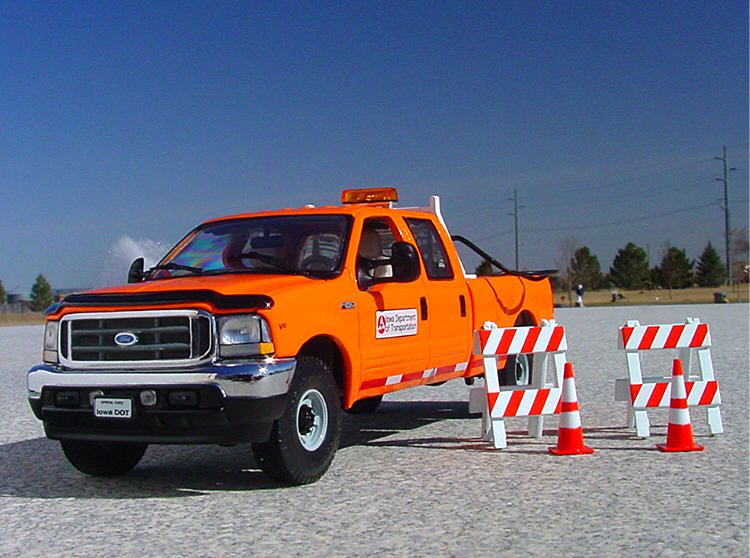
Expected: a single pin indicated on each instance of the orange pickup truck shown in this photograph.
(263, 327)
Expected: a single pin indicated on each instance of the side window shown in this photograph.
(431, 249)
(374, 252)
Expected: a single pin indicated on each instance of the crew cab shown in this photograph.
(261, 328)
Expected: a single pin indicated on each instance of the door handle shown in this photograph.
(423, 307)
(462, 305)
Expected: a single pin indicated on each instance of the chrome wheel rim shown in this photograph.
(312, 419)
(521, 370)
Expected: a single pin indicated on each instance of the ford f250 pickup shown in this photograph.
(261, 328)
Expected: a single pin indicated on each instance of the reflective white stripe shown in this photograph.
(501, 404)
(461, 366)
(687, 336)
(393, 380)
(493, 341)
(569, 391)
(678, 391)
(518, 340)
(570, 419)
(680, 417)
(429, 373)
(526, 402)
(661, 336)
(552, 401)
(542, 341)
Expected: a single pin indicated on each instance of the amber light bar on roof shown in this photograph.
(369, 195)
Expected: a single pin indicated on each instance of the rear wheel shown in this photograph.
(364, 406)
(103, 459)
(517, 371)
(305, 439)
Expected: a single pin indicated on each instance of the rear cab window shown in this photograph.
(431, 248)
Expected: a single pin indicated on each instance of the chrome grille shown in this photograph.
(169, 337)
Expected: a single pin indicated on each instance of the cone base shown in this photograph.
(583, 450)
(693, 447)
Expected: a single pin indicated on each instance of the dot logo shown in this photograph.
(381, 325)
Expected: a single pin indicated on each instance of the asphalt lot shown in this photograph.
(413, 479)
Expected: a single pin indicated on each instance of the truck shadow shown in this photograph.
(36, 468)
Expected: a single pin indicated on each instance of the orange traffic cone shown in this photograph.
(570, 433)
(679, 429)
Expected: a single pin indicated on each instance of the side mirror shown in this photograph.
(135, 275)
(405, 262)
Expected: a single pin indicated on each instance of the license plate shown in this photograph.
(106, 407)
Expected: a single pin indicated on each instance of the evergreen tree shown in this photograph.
(3, 298)
(675, 269)
(41, 294)
(629, 269)
(484, 268)
(585, 269)
(710, 271)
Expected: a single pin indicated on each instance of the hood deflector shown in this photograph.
(220, 301)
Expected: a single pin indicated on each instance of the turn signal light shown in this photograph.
(369, 195)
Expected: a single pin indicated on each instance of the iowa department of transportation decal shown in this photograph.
(396, 323)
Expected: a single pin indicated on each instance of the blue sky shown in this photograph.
(140, 119)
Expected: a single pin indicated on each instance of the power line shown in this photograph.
(621, 221)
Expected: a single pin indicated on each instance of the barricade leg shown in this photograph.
(714, 421)
(538, 373)
(498, 433)
(630, 418)
(642, 426)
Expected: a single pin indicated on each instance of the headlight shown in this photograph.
(50, 342)
(246, 335)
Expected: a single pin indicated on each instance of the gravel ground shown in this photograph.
(413, 479)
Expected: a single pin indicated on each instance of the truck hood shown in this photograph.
(222, 291)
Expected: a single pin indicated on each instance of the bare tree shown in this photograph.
(740, 250)
(566, 254)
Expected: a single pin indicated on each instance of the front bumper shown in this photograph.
(232, 403)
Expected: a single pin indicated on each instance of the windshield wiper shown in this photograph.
(176, 266)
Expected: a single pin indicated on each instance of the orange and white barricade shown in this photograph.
(691, 339)
(535, 400)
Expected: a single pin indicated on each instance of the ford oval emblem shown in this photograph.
(126, 339)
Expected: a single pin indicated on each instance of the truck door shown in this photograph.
(394, 336)
(447, 301)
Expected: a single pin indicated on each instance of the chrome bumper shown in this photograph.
(254, 379)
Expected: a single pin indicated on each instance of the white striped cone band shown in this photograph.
(521, 340)
(524, 402)
(421, 377)
(570, 416)
(658, 394)
(674, 336)
(678, 405)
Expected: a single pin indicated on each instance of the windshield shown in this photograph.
(296, 244)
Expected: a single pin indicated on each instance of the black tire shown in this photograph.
(298, 453)
(103, 459)
(365, 406)
(517, 371)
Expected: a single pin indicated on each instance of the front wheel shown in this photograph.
(305, 439)
(103, 459)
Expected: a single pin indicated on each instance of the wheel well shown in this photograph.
(525, 318)
(326, 349)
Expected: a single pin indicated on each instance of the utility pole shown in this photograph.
(516, 207)
(727, 235)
